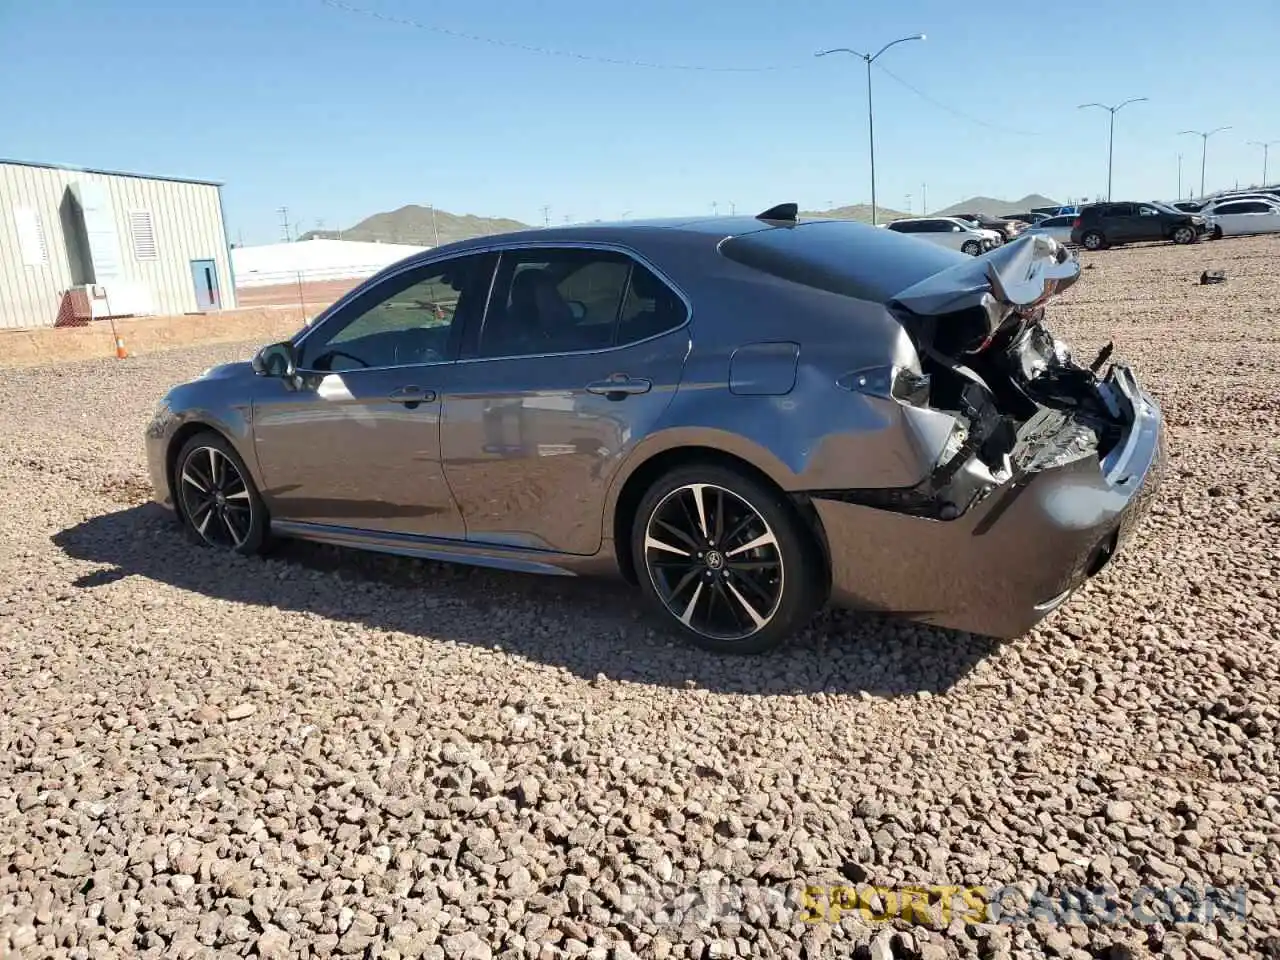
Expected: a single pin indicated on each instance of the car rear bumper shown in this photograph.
(1009, 561)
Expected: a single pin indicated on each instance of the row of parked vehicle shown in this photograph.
(1096, 226)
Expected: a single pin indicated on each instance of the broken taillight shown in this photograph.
(1076, 223)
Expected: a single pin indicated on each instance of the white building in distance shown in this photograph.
(307, 261)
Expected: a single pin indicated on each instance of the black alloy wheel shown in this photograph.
(728, 560)
(216, 497)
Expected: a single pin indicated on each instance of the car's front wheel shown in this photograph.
(1184, 235)
(726, 559)
(217, 501)
(1093, 240)
(971, 247)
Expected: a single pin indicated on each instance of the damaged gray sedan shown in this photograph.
(745, 417)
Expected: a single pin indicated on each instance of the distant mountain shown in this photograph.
(858, 211)
(417, 225)
(993, 207)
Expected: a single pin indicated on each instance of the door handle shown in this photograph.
(412, 396)
(619, 387)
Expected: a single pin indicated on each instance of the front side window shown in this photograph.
(1148, 212)
(548, 301)
(407, 319)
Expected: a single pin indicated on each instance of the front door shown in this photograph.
(354, 440)
(579, 355)
(204, 274)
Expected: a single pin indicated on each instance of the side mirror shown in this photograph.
(276, 360)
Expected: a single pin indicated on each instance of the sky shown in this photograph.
(337, 114)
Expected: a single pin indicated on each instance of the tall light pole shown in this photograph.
(871, 125)
(1179, 176)
(1111, 135)
(1204, 136)
(1266, 145)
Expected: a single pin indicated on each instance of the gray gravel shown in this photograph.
(323, 754)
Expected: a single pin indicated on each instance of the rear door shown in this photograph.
(1119, 222)
(578, 355)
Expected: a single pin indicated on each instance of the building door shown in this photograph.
(204, 274)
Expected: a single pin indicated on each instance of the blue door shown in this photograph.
(204, 274)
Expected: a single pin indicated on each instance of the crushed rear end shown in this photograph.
(1048, 467)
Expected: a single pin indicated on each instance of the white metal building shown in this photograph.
(78, 244)
(312, 260)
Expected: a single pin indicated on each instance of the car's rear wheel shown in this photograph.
(1184, 235)
(726, 559)
(219, 505)
(971, 247)
(1217, 233)
(1093, 240)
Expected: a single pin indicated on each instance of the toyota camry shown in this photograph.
(745, 417)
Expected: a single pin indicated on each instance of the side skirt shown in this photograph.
(518, 560)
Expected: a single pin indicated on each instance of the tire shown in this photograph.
(215, 496)
(1183, 235)
(1217, 233)
(724, 597)
(1093, 240)
(971, 247)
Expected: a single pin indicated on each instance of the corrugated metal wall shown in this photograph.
(187, 223)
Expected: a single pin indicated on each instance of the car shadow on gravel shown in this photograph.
(590, 627)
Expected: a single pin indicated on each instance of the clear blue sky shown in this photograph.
(337, 116)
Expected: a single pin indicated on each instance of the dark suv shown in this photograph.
(1102, 225)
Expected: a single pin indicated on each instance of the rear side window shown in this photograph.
(568, 300)
(842, 257)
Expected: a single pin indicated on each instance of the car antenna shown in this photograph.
(786, 212)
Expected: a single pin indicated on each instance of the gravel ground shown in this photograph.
(324, 754)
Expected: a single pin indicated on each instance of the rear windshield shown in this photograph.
(844, 257)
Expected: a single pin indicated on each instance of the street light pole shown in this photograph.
(1266, 145)
(1111, 135)
(1204, 136)
(871, 123)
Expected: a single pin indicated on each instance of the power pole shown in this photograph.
(546, 216)
(1266, 146)
(1179, 194)
(869, 59)
(715, 208)
(924, 199)
(284, 223)
(1111, 131)
(1204, 136)
(435, 227)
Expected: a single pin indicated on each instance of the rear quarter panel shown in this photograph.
(814, 435)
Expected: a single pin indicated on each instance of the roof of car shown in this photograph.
(629, 232)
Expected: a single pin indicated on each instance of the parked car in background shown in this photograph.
(887, 425)
(1102, 225)
(1029, 218)
(1057, 227)
(948, 232)
(1008, 229)
(1239, 218)
(1187, 206)
(1059, 211)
